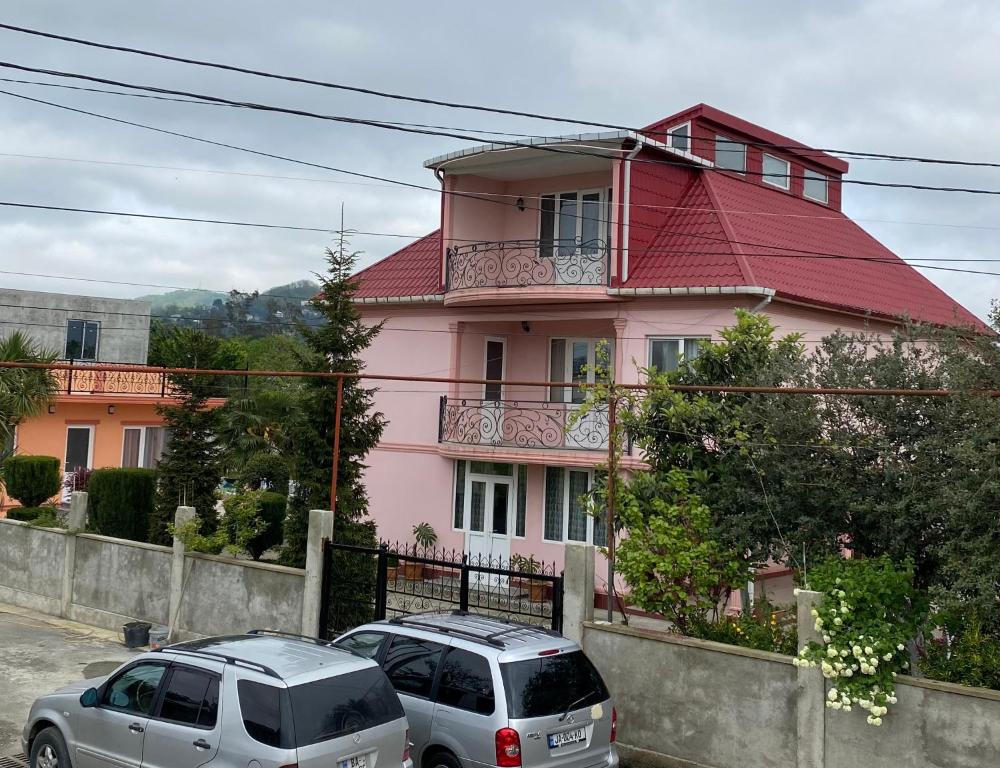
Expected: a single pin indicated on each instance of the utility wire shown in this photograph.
(439, 102)
(599, 153)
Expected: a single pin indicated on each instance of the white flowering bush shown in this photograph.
(868, 613)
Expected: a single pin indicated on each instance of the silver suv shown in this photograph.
(480, 691)
(261, 700)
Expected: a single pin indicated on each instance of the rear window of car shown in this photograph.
(551, 685)
(337, 706)
(266, 714)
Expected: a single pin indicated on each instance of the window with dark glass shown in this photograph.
(263, 708)
(549, 685)
(494, 369)
(460, 468)
(680, 137)
(522, 499)
(411, 664)
(367, 644)
(666, 355)
(134, 690)
(337, 706)
(466, 682)
(81, 339)
(191, 697)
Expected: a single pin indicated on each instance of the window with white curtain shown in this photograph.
(143, 446)
(566, 517)
(586, 361)
(667, 354)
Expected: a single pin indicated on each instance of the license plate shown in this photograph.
(358, 761)
(557, 740)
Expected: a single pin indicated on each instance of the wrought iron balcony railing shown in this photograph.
(82, 379)
(522, 263)
(519, 424)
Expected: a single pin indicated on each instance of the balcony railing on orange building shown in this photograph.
(81, 380)
(520, 424)
(523, 263)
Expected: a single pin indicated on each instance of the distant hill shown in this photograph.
(182, 298)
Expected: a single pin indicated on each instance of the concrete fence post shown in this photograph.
(320, 527)
(182, 516)
(76, 521)
(810, 690)
(578, 590)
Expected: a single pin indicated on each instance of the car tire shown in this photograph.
(48, 750)
(437, 759)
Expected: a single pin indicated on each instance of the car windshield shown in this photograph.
(337, 706)
(549, 685)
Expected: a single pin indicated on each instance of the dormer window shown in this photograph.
(814, 186)
(730, 155)
(775, 171)
(679, 137)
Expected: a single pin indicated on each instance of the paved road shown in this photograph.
(40, 653)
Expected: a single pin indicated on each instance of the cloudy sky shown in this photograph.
(914, 77)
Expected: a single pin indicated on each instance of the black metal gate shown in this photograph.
(364, 584)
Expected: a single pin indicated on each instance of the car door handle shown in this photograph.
(202, 744)
(136, 728)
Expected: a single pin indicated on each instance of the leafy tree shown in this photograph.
(335, 346)
(32, 480)
(24, 393)
(189, 471)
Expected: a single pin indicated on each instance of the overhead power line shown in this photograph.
(595, 151)
(439, 102)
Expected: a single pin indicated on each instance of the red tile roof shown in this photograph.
(414, 270)
(772, 239)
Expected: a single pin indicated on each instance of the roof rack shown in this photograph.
(223, 656)
(410, 621)
(493, 638)
(306, 638)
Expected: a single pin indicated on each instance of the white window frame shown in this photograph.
(512, 509)
(816, 176)
(592, 343)
(565, 507)
(142, 441)
(503, 368)
(680, 346)
(775, 181)
(670, 137)
(90, 444)
(602, 223)
(97, 346)
(731, 142)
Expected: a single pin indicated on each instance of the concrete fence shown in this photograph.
(107, 582)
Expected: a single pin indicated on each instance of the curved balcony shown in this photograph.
(495, 272)
(522, 425)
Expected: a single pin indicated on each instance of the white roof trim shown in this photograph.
(424, 299)
(694, 290)
(481, 149)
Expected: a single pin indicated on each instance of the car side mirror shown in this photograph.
(89, 698)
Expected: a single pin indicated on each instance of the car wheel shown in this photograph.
(440, 759)
(48, 750)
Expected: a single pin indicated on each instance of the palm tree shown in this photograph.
(24, 392)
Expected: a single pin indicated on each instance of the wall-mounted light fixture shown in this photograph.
(111, 409)
(520, 204)
(525, 326)
(52, 407)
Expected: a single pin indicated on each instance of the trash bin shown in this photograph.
(158, 638)
(136, 634)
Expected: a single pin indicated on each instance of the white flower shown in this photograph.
(827, 669)
(847, 673)
(873, 662)
(866, 670)
(843, 609)
(819, 625)
(833, 611)
(826, 638)
(831, 652)
(891, 699)
(838, 581)
(835, 705)
(814, 613)
(843, 653)
(847, 707)
(838, 621)
(868, 650)
(865, 704)
(887, 657)
(900, 647)
(877, 722)
(856, 650)
(796, 591)
(832, 694)
(842, 593)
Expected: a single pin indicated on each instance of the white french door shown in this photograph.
(79, 454)
(488, 506)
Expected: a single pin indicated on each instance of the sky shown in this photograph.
(910, 77)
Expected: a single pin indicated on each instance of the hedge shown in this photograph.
(32, 480)
(265, 469)
(26, 514)
(120, 502)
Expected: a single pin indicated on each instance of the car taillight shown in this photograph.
(508, 748)
(614, 725)
(406, 746)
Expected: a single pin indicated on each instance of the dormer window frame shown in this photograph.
(688, 138)
(729, 142)
(775, 181)
(808, 174)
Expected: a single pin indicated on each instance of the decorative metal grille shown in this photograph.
(402, 579)
(522, 424)
(520, 263)
(135, 381)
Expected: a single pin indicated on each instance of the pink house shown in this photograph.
(646, 240)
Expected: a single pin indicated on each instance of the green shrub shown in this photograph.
(26, 513)
(265, 469)
(254, 521)
(765, 628)
(32, 479)
(121, 502)
(967, 653)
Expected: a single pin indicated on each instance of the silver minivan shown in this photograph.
(480, 691)
(261, 700)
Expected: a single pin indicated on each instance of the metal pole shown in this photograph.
(612, 475)
(336, 445)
